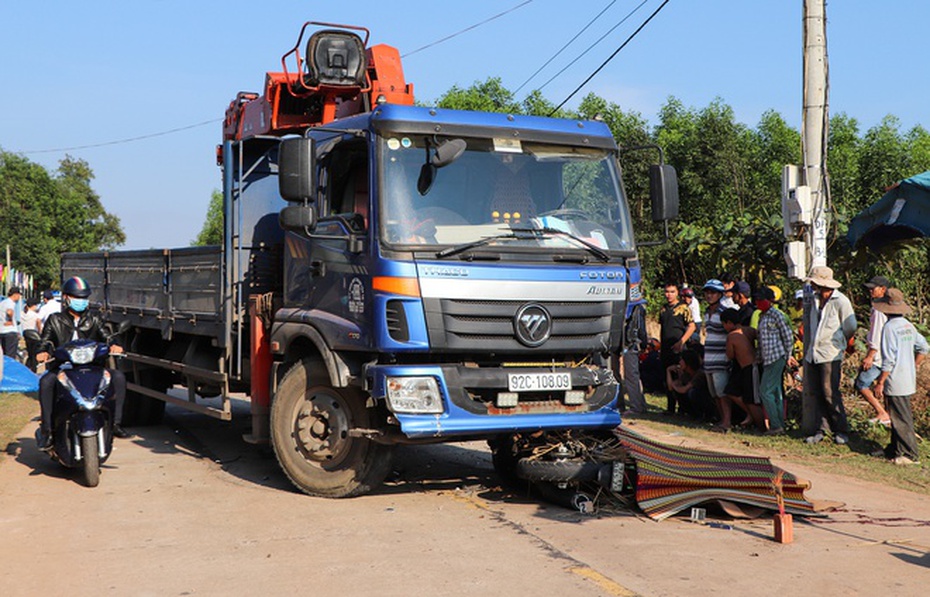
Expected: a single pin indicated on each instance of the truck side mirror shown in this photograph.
(297, 169)
(297, 218)
(663, 191)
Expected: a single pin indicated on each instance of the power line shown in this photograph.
(609, 58)
(562, 49)
(591, 47)
(127, 140)
(448, 37)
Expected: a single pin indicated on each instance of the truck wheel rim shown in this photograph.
(322, 428)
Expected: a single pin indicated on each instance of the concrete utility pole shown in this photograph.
(805, 188)
(815, 126)
(814, 131)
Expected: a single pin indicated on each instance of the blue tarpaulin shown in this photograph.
(903, 212)
(17, 377)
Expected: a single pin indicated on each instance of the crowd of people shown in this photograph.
(726, 364)
(20, 315)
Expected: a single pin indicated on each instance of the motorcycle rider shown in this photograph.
(74, 323)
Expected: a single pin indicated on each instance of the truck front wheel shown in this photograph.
(310, 425)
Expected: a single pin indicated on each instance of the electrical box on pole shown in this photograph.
(796, 258)
(796, 208)
(796, 212)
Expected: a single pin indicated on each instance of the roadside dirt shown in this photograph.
(188, 509)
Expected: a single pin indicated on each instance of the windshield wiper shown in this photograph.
(591, 247)
(480, 242)
(524, 234)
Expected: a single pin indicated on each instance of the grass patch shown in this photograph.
(854, 460)
(15, 411)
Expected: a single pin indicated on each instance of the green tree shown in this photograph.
(212, 231)
(489, 96)
(42, 216)
(883, 161)
(95, 228)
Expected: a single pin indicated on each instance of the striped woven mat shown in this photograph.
(671, 479)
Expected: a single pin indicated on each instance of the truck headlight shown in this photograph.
(414, 395)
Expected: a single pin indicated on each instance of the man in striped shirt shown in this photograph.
(715, 342)
(775, 343)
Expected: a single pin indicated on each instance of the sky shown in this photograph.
(138, 88)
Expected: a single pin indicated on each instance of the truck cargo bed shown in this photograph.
(171, 290)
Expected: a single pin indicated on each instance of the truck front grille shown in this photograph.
(483, 325)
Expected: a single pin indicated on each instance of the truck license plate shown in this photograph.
(538, 382)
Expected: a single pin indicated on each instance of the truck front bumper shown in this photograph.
(477, 400)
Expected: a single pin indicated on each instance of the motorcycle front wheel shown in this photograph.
(91, 460)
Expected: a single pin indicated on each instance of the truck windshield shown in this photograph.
(503, 192)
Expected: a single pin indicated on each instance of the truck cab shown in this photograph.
(469, 272)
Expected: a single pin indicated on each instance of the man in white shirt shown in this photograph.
(872, 363)
(9, 330)
(831, 323)
(51, 305)
(903, 350)
(687, 295)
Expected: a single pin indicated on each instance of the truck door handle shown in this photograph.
(317, 268)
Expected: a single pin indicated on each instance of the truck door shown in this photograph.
(328, 272)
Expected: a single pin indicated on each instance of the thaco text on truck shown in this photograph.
(390, 274)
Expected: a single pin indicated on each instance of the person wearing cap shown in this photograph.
(776, 292)
(872, 363)
(776, 341)
(742, 298)
(830, 326)
(903, 350)
(687, 295)
(9, 331)
(796, 310)
(715, 341)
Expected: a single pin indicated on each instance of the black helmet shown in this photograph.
(76, 287)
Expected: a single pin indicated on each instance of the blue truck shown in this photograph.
(390, 274)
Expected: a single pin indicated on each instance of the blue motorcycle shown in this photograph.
(83, 408)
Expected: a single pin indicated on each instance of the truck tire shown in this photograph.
(310, 423)
(141, 410)
(557, 471)
(91, 458)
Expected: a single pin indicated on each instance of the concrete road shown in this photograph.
(187, 508)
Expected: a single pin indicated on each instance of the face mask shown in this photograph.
(78, 305)
(763, 305)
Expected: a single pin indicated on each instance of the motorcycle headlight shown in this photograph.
(81, 355)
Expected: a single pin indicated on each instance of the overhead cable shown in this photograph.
(591, 47)
(127, 140)
(609, 58)
(448, 37)
(562, 49)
